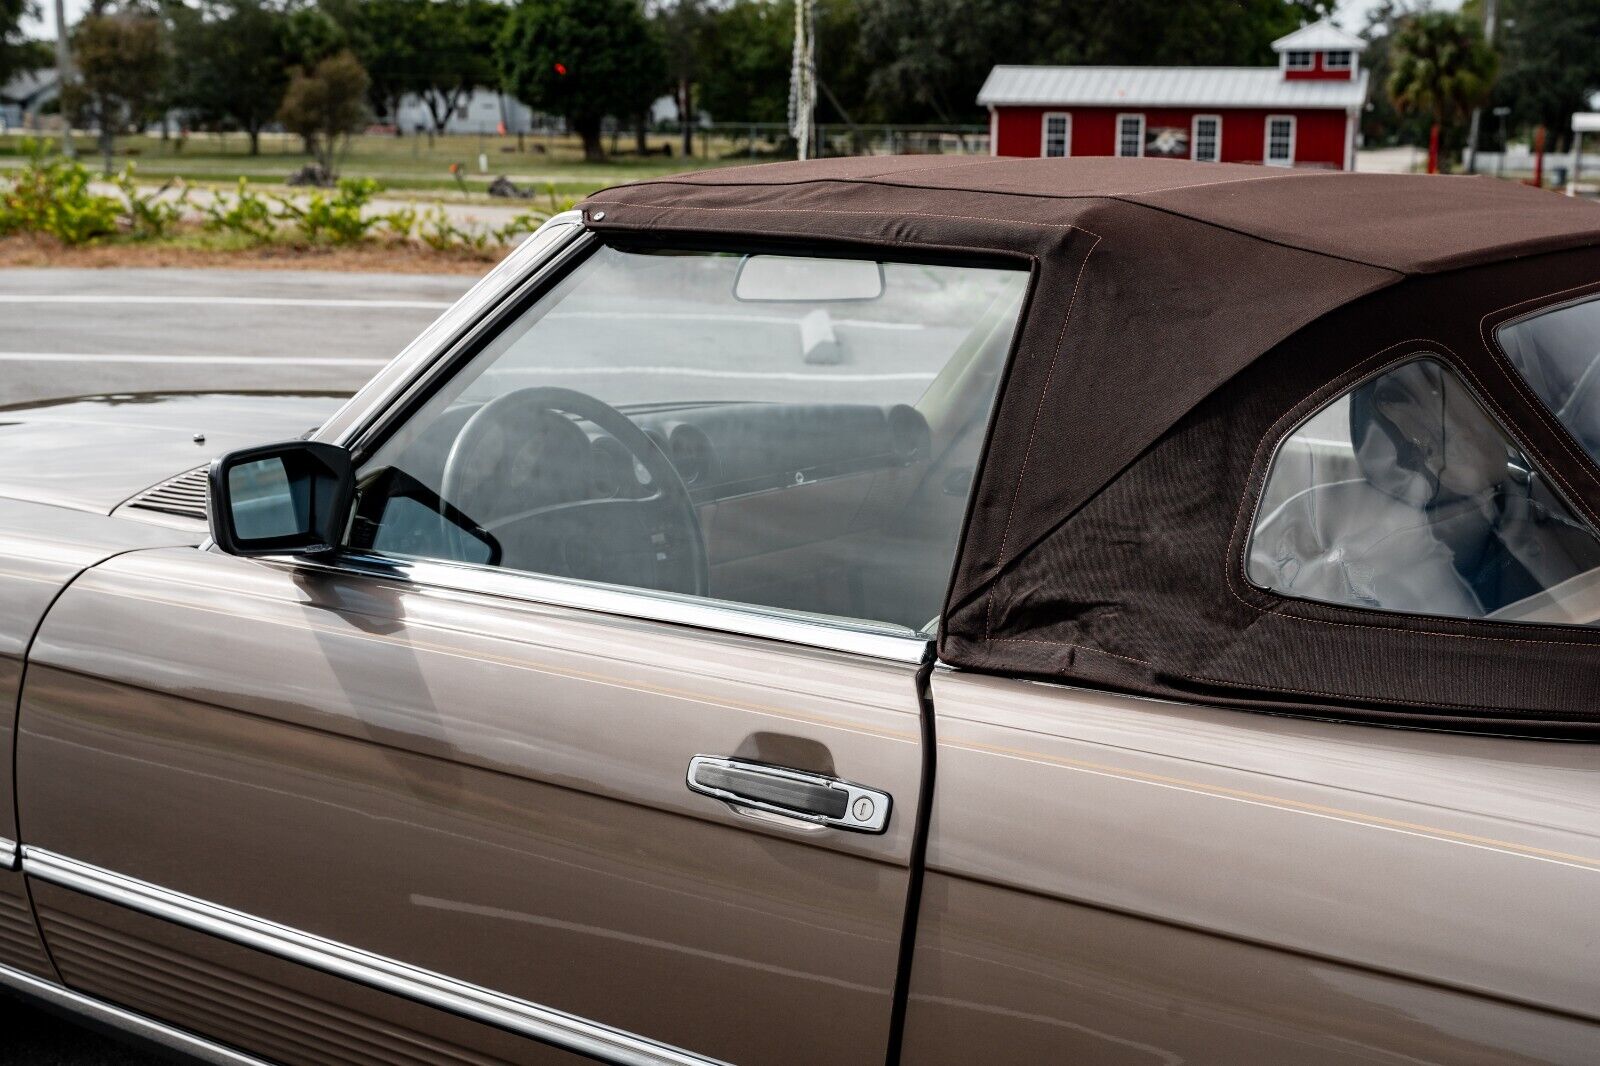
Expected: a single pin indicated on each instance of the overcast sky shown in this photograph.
(1352, 14)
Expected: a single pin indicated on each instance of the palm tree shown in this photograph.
(1441, 65)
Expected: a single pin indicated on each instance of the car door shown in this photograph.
(413, 803)
(486, 789)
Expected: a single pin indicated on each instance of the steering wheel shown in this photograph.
(651, 541)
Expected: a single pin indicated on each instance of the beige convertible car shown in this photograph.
(919, 611)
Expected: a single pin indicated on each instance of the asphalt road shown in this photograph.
(81, 332)
(78, 332)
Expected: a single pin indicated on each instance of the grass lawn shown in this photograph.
(407, 163)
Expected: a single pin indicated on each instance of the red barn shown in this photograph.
(1303, 112)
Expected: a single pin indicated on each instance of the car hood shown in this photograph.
(94, 452)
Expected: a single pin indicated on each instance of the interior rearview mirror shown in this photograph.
(291, 498)
(796, 279)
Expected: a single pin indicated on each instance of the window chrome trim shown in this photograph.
(195, 1047)
(545, 1024)
(531, 261)
(865, 639)
(8, 854)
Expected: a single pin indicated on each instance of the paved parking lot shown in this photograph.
(80, 332)
(77, 332)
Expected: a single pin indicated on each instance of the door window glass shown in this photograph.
(1558, 354)
(790, 432)
(1405, 495)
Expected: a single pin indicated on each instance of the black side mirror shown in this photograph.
(281, 499)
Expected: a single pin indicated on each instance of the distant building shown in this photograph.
(1303, 112)
(25, 95)
(481, 111)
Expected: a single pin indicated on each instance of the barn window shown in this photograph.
(1130, 135)
(1207, 139)
(1280, 141)
(1057, 135)
(1336, 60)
(1298, 60)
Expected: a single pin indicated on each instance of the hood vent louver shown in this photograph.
(183, 495)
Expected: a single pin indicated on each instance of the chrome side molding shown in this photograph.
(8, 854)
(890, 643)
(544, 1024)
(195, 1047)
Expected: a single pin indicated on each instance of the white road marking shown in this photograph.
(196, 360)
(220, 301)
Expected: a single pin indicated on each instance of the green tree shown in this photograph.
(455, 53)
(122, 59)
(326, 104)
(1381, 123)
(317, 31)
(1442, 67)
(386, 40)
(1552, 61)
(233, 63)
(744, 69)
(15, 53)
(584, 59)
(687, 27)
(929, 57)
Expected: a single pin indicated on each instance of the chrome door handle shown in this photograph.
(795, 793)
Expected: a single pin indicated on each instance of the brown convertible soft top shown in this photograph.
(1156, 282)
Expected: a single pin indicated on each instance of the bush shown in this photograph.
(149, 216)
(50, 195)
(246, 214)
(336, 219)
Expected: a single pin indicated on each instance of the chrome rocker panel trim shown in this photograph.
(54, 995)
(544, 1024)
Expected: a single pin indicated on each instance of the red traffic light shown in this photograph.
(561, 69)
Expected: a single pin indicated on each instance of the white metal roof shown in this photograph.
(1318, 37)
(1166, 87)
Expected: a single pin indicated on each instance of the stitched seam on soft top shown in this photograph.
(886, 181)
(1122, 198)
(1033, 431)
(847, 211)
(1481, 712)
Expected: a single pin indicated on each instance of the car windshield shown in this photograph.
(785, 431)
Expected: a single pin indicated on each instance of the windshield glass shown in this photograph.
(791, 432)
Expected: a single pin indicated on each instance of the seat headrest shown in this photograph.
(1420, 436)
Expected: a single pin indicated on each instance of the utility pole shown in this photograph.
(803, 78)
(63, 70)
(1477, 112)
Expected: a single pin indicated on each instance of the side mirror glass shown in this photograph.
(292, 498)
